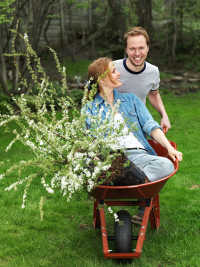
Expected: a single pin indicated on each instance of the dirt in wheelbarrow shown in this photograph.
(115, 170)
(123, 173)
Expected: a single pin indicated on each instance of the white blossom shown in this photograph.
(110, 210)
(10, 145)
(77, 168)
(42, 83)
(46, 186)
(106, 167)
(91, 154)
(25, 36)
(87, 173)
(90, 185)
(31, 122)
(64, 182)
(116, 217)
(31, 144)
(88, 160)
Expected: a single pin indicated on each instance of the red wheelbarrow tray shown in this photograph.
(125, 196)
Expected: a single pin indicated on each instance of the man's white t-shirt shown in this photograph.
(139, 83)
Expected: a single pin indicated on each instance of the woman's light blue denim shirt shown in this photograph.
(133, 111)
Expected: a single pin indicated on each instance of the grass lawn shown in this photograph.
(66, 237)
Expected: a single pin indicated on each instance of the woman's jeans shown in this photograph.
(155, 167)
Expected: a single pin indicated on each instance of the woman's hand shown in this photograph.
(160, 137)
(174, 154)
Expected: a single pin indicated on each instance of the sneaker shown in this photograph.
(137, 219)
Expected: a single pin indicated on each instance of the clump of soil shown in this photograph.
(123, 173)
(115, 171)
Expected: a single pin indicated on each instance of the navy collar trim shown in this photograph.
(133, 72)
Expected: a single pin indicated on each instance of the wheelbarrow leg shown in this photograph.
(155, 213)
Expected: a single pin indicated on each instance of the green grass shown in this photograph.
(66, 237)
(78, 68)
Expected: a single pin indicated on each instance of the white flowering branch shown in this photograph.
(66, 156)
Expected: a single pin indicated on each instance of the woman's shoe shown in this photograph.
(137, 219)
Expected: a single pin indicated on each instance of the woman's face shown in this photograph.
(111, 80)
(114, 75)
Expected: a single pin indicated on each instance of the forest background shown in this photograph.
(80, 31)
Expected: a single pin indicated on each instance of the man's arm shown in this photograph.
(156, 102)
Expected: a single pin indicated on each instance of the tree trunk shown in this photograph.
(3, 74)
(71, 47)
(174, 27)
(116, 14)
(144, 13)
(38, 11)
(62, 25)
(180, 12)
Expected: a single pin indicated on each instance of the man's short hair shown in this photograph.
(135, 31)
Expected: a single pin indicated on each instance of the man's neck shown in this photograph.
(133, 67)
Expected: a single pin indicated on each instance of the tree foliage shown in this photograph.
(26, 17)
(6, 11)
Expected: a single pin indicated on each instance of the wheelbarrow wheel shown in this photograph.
(123, 232)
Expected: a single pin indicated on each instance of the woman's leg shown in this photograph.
(155, 167)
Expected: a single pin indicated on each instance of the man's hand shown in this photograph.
(156, 102)
(165, 124)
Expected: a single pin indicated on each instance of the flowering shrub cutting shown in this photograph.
(65, 155)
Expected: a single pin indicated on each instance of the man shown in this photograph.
(139, 76)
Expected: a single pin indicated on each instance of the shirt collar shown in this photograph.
(99, 99)
(131, 71)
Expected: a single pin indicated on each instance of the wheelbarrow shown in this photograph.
(146, 195)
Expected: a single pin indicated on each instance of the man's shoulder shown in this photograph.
(151, 67)
(118, 61)
(119, 64)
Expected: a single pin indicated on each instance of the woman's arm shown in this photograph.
(145, 119)
(160, 137)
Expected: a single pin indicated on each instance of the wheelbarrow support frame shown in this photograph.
(152, 211)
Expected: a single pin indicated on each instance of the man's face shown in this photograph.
(137, 51)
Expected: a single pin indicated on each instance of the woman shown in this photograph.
(131, 111)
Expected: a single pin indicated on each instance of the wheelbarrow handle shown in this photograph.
(165, 130)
